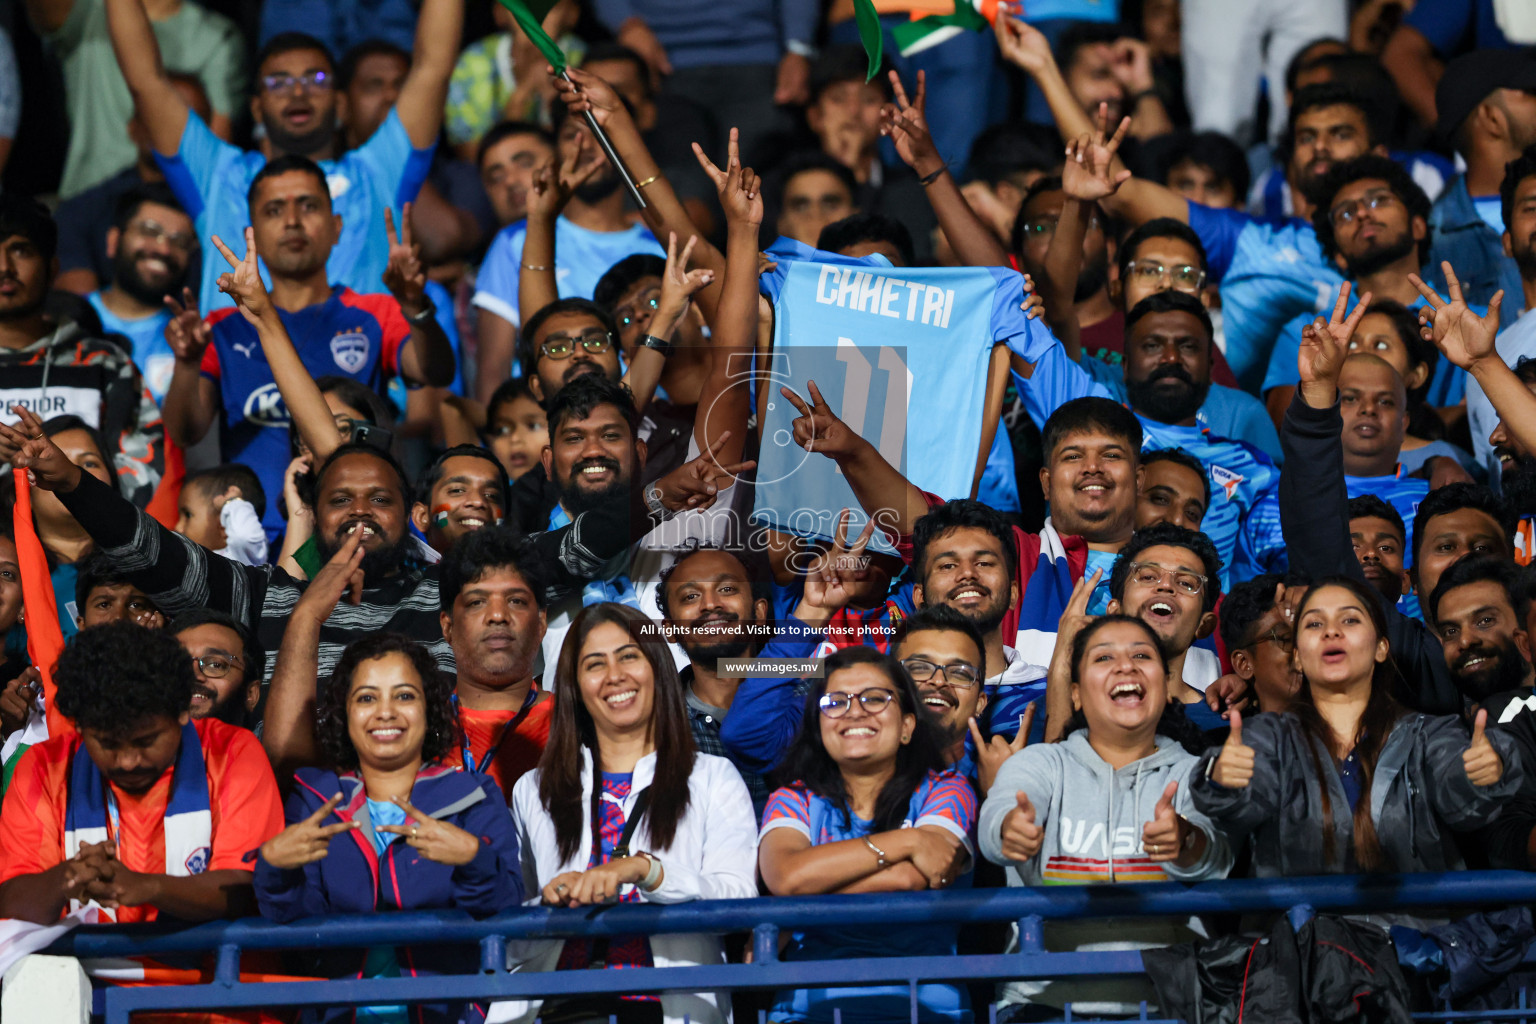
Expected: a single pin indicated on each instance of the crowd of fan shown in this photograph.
(458, 605)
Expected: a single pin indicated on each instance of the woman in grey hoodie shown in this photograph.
(1108, 804)
(1388, 785)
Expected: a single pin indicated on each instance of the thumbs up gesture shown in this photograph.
(1163, 837)
(1021, 836)
(1481, 761)
(1234, 766)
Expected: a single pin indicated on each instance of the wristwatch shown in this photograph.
(653, 502)
(659, 344)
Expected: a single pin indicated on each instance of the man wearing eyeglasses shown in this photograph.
(295, 108)
(151, 245)
(1372, 221)
(228, 664)
(1170, 578)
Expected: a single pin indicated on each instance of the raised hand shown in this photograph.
(243, 281)
(697, 483)
(187, 332)
(1482, 763)
(907, 125)
(1325, 343)
(1163, 837)
(1022, 44)
(436, 840)
(1234, 765)
(738, 187)
(1227, 694)
(25, 446)
(307, 841)
(1088, 173)
(406, 274)
(1464, 337)
(1022, 838)
(818, 429)
(1132, 65)
(992, 753)
(558, 180)
(678, 286)
(341, 574)
(829, 582)
(586, 93)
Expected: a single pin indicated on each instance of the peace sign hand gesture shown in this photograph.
(436, 840)
(406, 274)
(1088, 173)
(558, 180)
(307, 841)
(25, 446)
(678, 286)
(243, 281)
(187, 332)
(818, 429)
(1324, 344)
(1464, 337)
(738, 187)
(829, 582)
(991, 753)
(906, 122)
(697, 483)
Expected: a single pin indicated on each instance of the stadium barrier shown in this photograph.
(765, 918)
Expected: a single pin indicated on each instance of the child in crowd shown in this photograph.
(221, 509)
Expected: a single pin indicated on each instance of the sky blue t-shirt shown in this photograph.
(1270, 272)
(151, 352)
(381, 961)
(211, 179)
(1491, 209)
(1104, 561)
(1447, 387)
(582, 257)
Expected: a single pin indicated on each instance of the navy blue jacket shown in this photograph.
(352, 879)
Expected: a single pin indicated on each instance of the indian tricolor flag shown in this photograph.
(931, 29)
(45, 640)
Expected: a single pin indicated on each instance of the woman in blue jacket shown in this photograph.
(395, 825)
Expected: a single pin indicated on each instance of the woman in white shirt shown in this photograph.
(671, 824)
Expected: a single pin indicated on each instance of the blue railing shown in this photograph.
(765, 918)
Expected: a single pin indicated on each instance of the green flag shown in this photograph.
(868, 21)
(530, 18)
(917, 36)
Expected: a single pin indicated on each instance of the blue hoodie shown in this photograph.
(353, 879)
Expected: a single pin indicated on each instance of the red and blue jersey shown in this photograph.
(347, 335)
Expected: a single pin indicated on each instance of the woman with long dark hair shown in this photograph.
(1348, 780)
(393, 824)
(869, 805)
(1106, 805)
(622, 808)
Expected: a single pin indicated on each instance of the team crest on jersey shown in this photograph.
(1226, 480)
(350, 350)
(198, 862)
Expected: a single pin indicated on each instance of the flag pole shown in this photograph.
(608, 150)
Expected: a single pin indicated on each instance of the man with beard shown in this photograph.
(1517, 196)
(709, 601)
(227, 662)
(1167, 375)
(1486, 646)
(1371, 220)
(1269, 272)
(295, 105)
(1379, 536)
(151, 245)
(221, 371)
(591, 234)
(1486, 104)
(60, 371)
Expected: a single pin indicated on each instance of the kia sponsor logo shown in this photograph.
(265, 407)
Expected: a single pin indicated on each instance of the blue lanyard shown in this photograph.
(506, 730)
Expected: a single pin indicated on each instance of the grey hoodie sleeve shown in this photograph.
(1237, 812)
(1456, 801)
(1035, 771)
(1216, 862)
